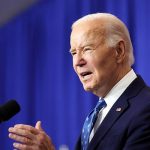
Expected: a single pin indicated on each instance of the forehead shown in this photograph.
(87, 33)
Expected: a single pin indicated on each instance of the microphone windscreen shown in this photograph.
(8, 110)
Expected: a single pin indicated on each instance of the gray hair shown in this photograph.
(115, 31)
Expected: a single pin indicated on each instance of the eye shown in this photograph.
(73, 53)
(87, 49)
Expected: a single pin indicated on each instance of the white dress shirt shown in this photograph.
(112, 97)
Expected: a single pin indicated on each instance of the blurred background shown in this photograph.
(36, 67)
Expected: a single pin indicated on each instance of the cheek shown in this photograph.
(101, 68)
(106, 62)
(73, 64)
(99, 75)
(75, 69)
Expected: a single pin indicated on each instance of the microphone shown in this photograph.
(8, 110)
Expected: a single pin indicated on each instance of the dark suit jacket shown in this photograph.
(128, 129)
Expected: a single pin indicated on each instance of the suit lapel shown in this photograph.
(108, 122)
(116, 111)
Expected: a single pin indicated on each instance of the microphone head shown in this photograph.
(8, 110)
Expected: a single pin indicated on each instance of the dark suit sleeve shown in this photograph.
(139, 132)
(78, 144)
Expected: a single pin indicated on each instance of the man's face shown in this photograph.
(93, 61)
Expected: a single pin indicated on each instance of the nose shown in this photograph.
(79, 60)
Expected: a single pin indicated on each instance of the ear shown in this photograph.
(120, 51)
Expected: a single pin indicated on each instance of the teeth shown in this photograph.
(85, 74)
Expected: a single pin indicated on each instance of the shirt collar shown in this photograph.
(119, 88)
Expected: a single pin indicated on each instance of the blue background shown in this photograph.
(36, 67)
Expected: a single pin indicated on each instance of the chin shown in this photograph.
(91, 88)
(88, 88)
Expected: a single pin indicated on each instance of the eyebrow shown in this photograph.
(81, 48)
(74, 49)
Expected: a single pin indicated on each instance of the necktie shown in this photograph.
(89, 123)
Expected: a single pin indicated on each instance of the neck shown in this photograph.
(103, 91)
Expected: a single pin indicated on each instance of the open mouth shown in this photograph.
(85, 74)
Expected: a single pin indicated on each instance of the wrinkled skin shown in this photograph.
(30, 138)
(98, 66)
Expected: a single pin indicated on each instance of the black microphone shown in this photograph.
(8, 110)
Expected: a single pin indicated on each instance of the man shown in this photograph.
(102, 58)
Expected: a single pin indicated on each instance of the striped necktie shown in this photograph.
(89, 123)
